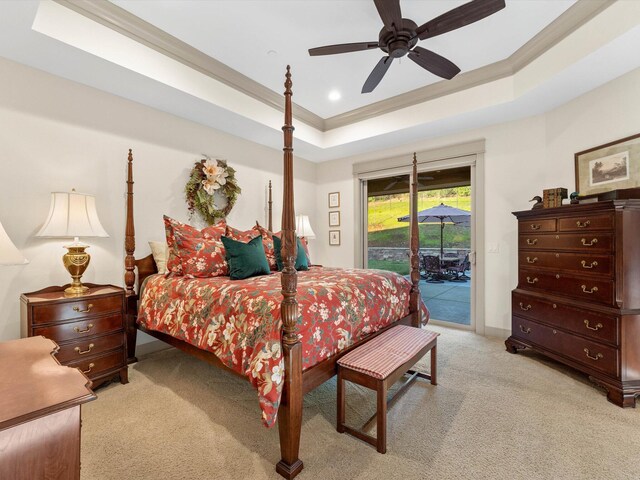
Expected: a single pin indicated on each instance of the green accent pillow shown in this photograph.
(245, 259)
(302, 262)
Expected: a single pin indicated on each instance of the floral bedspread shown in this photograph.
(239, 320)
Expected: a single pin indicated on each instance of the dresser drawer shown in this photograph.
(90, 347)
(80, 308)
(595, 355)
(586, 223)
(594, 289)
(587, 242)
(81, 329)
(94, 366)
(583, 263)
(599, 327)
(538, 225)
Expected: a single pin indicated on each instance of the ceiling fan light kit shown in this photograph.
(399, 37)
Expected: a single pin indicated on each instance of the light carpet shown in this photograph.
(493, 416)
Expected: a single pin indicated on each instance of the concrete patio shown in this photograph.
(448, 301)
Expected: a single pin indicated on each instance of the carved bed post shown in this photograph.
(129, 267)
(414, 296)
(290, 411)
(270, 204)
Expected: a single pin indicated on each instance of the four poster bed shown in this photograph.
(295, 332)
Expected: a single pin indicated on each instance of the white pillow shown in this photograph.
(160, 252)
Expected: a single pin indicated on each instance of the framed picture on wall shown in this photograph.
(334, 200)
(334, 219)
(612, 166)
(334, 237)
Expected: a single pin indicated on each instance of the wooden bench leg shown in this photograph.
(382, 417)
(434, 365)
(341, 403)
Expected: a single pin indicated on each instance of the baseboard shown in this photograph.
(502, 333)
(145, 349)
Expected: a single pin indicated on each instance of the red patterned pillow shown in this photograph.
(174, 264)
(248, 235)
(201, 257)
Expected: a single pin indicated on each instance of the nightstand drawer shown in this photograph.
(90, 347)
(65, 332)
(60, 311)
(92, 367)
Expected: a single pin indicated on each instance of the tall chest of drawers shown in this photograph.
(89, 329)
(578, 294)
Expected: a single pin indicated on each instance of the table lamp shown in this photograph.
(73, 215)
(303, 227)
(9, 254)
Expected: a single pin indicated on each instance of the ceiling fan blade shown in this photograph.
(436, 64)
(376, 74)
(342, 48)
(459, 17)
(390, 13)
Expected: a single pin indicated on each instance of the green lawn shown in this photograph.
(399, 267)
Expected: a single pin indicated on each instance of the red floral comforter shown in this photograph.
(239, 320)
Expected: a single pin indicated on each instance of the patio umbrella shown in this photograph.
(442, 214)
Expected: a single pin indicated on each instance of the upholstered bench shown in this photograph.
(377, 365)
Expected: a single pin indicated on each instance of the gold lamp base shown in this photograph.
(76, 261)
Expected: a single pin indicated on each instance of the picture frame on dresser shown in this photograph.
(612, 166)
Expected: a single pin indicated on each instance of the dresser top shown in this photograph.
(34, 384)
(579, 209)
(54, 294)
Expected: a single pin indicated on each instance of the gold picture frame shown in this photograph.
(334, 238)
(612, 166)
(334, 200)
(334, 218)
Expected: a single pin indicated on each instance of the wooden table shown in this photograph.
(39, 412)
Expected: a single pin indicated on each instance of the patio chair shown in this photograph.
(433, 272)
(458, 271)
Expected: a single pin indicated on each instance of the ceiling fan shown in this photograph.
(399, 36)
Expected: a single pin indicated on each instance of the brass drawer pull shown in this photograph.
(87, 310)
(535, 226)
(532, 260)
(535, 280)
(522, 307)
(595, 329)
(598, 356)
(592, 242)
(583, 225)
(82, 352)
(532, 242)
(77, 329)
(593, 289)
(91, 365)
(593, 264)
(525, 330)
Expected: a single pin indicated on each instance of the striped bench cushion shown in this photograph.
(381, 356)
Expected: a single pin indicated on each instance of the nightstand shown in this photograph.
(89, 329)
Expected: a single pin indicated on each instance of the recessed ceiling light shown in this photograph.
(334, 95)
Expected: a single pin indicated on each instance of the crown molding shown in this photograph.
(125, 23)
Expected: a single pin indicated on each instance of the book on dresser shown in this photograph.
(578, 294)
(89, 329)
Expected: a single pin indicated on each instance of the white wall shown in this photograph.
(58, 135)
(522, 158)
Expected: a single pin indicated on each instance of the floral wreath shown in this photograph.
(212, 189)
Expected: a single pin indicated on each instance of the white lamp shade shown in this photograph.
(72, 215)
(9, 254)
(303, 227)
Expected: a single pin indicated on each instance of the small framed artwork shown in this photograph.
(334, 237)
(334, 200)
(334, 219)
(613, 166)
